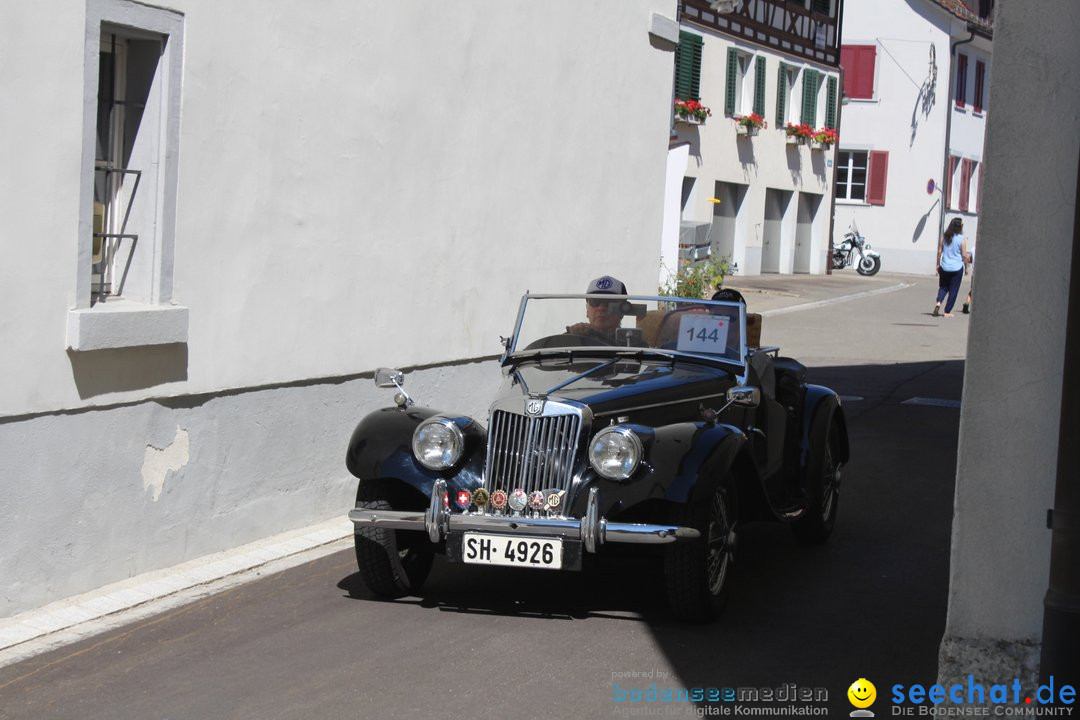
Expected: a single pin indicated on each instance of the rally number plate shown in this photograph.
(482, 549)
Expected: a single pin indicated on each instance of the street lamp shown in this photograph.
(725, 7)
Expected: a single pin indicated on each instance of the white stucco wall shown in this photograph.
(359, 184)
(1012, 382)
(335, 163)
(899, 119)
(760, 163)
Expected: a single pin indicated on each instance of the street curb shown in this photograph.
(66, 621)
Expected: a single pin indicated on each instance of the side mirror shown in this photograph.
(388, 378)
(743, 396)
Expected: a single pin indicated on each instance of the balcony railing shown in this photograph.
(778, 24)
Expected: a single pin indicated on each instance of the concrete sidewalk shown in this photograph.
(76, 618)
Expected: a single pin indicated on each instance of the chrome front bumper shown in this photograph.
(592, 530)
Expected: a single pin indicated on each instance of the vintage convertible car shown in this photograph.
(663, 434)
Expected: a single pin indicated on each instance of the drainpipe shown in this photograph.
(1061, 606)
(948, 133)
(836, 149)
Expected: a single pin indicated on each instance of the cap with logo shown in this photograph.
(606, 285)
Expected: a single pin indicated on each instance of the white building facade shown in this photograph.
(916, 81)
(227, 216)
(761, 197)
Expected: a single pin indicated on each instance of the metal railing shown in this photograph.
(110, 241)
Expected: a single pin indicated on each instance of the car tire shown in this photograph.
(823, 484)
(697, 572)
(392, 563)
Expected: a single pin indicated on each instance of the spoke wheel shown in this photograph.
(697, 572)
(392, 563)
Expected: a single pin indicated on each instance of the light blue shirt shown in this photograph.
(952, 257)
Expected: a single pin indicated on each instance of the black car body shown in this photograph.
(667, 431)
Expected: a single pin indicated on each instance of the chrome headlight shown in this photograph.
(438, 443)
(615, 453)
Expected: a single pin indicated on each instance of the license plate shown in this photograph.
(482, 549)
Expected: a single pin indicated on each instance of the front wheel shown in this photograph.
(696, 572)
(392, 563)
(868, 265)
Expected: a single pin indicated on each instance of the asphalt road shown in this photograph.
(310, 642)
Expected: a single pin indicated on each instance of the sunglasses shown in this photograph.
(597, 303)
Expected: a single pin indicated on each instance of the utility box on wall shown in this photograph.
(693, 242)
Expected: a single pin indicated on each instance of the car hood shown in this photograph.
(608, 386)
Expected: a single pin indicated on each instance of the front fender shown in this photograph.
(682, 463)
(381, 447)
(819, 400)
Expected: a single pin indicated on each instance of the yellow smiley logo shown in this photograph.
(862, 693)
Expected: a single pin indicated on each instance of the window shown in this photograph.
(862, 175)
(858, 62)
(688, 67)
(851, 175)
(961, 79)
(741, 83)
(980, 81)
(131, 111)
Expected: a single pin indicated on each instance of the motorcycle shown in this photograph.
(855, 249)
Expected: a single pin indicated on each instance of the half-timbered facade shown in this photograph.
(752, 148)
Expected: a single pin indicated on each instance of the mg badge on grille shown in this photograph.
(534, 406)
(554, 500)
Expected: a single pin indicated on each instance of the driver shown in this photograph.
(605, 316)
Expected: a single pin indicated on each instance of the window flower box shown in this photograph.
(799, 134)
(749, 125)
(691, 112)
(824, 138)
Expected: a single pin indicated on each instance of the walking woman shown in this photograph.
(951, 266)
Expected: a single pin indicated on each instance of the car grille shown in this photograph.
(531, 453)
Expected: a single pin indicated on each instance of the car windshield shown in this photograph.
(693, 327)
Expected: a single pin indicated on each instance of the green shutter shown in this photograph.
(830, 104)
(781, 95)
(809, 97)
(759, 86)
(688, 67)
(732, 78)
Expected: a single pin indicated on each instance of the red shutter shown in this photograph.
(978, 193)
(947, 203)
(961, 80)
(851, 71)
(980, 78)
(965, 183)
(877, 176)
(858, 62)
